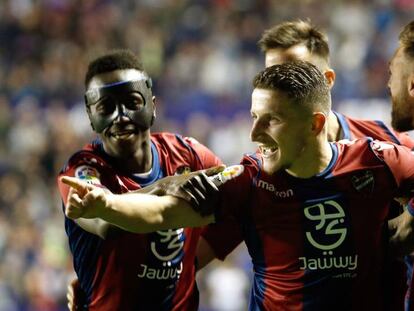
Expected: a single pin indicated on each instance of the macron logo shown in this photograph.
(270, 187)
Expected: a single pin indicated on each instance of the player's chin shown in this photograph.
(271, 166)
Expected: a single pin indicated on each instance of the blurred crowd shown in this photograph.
(202, 56)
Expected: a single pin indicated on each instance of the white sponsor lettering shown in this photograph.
(160, 273)
(328, 217)
(271, 188)
(328, 262)
(166, 246)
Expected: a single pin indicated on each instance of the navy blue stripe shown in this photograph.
(327, 172)
(408, 299)
(386, 129)
(85, 248)
(255, 247)
(254, 157)
(344, 126)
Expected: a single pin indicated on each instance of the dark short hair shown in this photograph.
(406, 39)
(288, 34)
(301, 81)
(113, 60)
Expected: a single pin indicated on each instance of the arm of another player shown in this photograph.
(400, 162)
(401, 232)
(138, 212)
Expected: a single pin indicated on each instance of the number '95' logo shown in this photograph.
(328, 215)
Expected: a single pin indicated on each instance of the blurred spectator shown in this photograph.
(202, 55)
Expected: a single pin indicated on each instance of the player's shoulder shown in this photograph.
(176, 143)
(357, 120)
(367, 146)
(173, 138)
(387, 150)
(252, 163)
(376, 129)
(355, 149)
(89, 156)
(365, 143)
(246, 176)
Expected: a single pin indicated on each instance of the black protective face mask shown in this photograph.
(132, 99)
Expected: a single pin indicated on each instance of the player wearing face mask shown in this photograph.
(119, 270)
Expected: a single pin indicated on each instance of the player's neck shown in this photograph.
(139, 160)
(334, 128)
(314, 159)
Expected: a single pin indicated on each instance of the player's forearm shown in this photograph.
(142, 213)
(139, 213)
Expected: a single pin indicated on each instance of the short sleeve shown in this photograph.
(206, 157)
(400, 161)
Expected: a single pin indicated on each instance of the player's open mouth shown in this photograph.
(123, 134)
(268, 151)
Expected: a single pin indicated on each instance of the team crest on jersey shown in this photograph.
(88, 174)
(364, 182)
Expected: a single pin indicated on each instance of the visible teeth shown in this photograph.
(123, 135)
(268, 150)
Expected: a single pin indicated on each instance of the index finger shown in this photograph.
(76, 183)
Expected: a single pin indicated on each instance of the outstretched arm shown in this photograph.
(142, 213)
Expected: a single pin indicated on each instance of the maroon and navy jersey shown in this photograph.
(355, 128)
(226, 239)
(128, 271)
(319, 243)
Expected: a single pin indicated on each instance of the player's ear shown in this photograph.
(319, 120)
(330, 77)
(154, 102)
(411, 85)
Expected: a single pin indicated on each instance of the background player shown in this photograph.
(300, 40)
(118, 270)
(401, 86)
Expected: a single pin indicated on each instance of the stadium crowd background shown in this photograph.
(202, 56)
